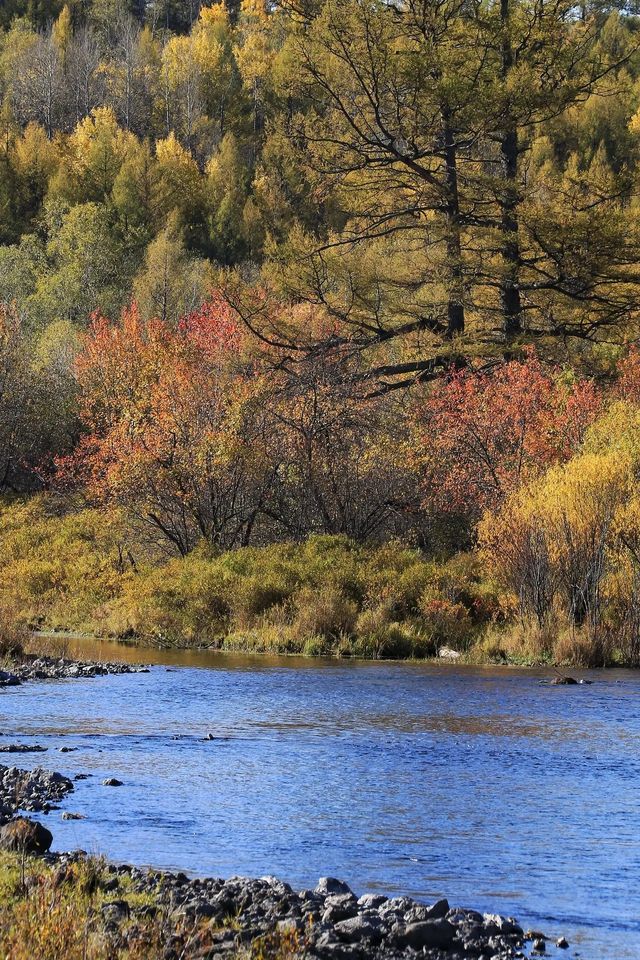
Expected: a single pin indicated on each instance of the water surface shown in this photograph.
(482, 785)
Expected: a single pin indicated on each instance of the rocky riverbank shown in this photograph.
(34, 667)
(265, 919)
(198, 919)
(37, 791)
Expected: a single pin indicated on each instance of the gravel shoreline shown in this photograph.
(36, 791)
(33, 667)
(212, 917)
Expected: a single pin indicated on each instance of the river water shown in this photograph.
(484, 785)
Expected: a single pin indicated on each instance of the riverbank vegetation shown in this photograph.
(83, 910)
(318, 326)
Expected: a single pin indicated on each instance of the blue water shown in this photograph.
(482, 785)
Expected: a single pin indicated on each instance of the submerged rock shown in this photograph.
(9, 679)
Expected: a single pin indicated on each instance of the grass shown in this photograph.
(83, 571)
(54, 913)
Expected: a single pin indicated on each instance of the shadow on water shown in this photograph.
(480, 784)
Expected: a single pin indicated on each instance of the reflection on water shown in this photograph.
(482, 785)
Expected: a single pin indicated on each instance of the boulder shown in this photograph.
(116, 911)
(340, 907)
(439, 909)
(329, 885)
(112, 782)
(359, 928)
(447, 653)
(8, 679)
(25, 836)
(371, 901)
(428, 933)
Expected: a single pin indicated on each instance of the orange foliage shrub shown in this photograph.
(478, 436)
(174, 424)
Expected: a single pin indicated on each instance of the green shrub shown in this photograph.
(325, 612)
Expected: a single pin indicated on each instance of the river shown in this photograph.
(484, 785)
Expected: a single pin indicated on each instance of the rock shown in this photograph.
(33, 790)
(329, 922)
(539, 946)
(25, 836)
(112, 782)
(82, 776)
(9, 679)
(371, 901)
(67, 815)
(32, 667)
(116, 911)
(562, 943)
(563, 682)
(67, 749)
(359, 928)
(340, 906)
(504, 925)
(447, 653)
(428, 933)
(329, 885)
(438, 909)
(22, 748)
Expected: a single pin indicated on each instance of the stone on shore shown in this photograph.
(36, 791)
(447, 653)
(25, 836)
(329, 886)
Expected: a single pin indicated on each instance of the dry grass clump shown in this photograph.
(55, 913)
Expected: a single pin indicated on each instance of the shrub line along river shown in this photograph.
(483, 785)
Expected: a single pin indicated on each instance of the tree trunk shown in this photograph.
(455, 306)
(510, 281)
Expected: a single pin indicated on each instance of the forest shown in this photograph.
(318, 325)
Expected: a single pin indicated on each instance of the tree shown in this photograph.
(226, 199)
(95, 152)
(480, 436)
(342, 460)
(86, 269)
(174, 426)
(171, 283)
